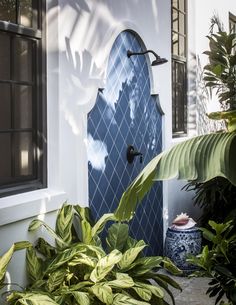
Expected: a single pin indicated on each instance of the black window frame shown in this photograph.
(37, 35)
(179, 82)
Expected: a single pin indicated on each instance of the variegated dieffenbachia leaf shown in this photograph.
(99, 225)
(65, 256)
(105, 265)
(170, 266)
(82, 258)
(64, 224)
(34, 265)
(157, 291)
(4, 261)
(55, 279)
(117, 236)
(82, 298)
(145, 264)
(143, 293)
(6, 257)
(123, 280)
(27, 298)
(37, 223)
(45, 248)
(122, 299)
(86, 231)
(131, 254)
(103, 293)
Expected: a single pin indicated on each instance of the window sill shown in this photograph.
(22, 206)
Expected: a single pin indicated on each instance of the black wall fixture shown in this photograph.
(157, 61)
(132, 153)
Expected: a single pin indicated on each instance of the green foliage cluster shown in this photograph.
(78, 269)
(216, 198)
(220, 73)
(218, 261)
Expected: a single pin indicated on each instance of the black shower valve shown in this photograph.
(132, 153)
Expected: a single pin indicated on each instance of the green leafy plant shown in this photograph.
(79, 270)
(220, 73)
(199, 159)
(216, 198)
(218, 262)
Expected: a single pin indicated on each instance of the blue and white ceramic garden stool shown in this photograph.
(180, 243)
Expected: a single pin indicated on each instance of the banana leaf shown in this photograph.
(199, 159)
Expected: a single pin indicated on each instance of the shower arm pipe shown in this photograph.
(130, 53)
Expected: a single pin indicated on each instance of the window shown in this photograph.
(232, 26)
(22, 103)
(179, 68)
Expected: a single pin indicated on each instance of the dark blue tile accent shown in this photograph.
(125, 114)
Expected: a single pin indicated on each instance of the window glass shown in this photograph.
(5, 66)
(23, 107)
(182, 5)
(181, 23)
(5, 160)
(26, 13)
(175, 44)
(5, 106)
(23, 154)
(175, 21)
(8, 10)
(182, 46)
(175, 3)
(23, 59)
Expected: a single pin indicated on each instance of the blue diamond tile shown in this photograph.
(126, 114)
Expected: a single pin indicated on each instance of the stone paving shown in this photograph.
(194, 291)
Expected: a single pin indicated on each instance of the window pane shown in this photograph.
(175, 20)
(175, 3)
(182, 5)
(5, 160)
(175, 44)
(181, 23)
(4, 57)
(182, 46)
(23, 154)
(8, 10)
(23, 59)
(5, 106)
(23, 107)
(26, 14)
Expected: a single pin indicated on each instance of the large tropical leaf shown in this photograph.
(82, 298)
(130, 255)
(27, 298)
(98, 227)
(118, 234)
(103, 293)
(55, 279)
(122, 299)
(37, 223)
(64, 224)
(123, 280)
(34, 265)
(200, 159)
(6, 257)
(105, 265)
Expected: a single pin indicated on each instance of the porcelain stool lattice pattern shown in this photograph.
(181, 243)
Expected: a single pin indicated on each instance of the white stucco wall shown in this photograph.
(80, 35)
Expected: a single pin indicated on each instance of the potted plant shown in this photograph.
(79, 270)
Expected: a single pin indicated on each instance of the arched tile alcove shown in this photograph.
(125, 114)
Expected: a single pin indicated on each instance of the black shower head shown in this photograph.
(157, 61)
